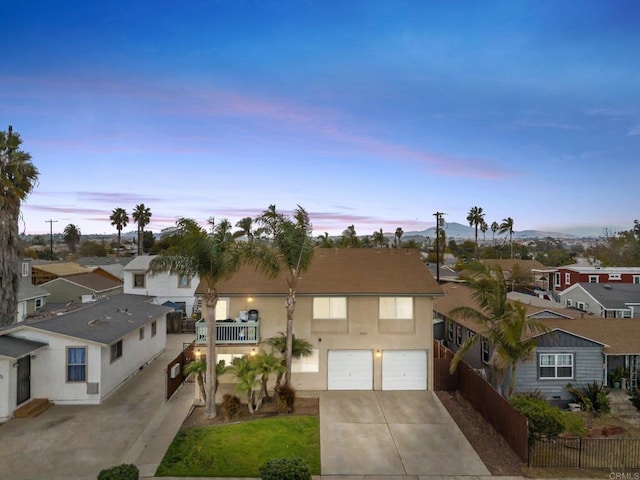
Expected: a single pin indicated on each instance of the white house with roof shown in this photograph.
(30, 297)
(80, 357)
(165, 287)
(607, 300)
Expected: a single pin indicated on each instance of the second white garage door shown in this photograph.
(404, 370)
(350, 370)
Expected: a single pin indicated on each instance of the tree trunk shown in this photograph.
(203, 391)
(264, 392)
(210, 301)
(9, 265)
(290, 304)
(512, 380)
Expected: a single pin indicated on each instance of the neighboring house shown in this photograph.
(366, 312)
(81, 287)
(521, 271)
(560, 278)
(177, 289)
(113, 265)
(42, 272)
(30, 298)
(579, 349)
(80, 357)
(607, 300)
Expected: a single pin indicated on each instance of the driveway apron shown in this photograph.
(392, 433)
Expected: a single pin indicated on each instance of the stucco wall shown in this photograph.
(8, 379)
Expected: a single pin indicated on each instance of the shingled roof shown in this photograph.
(343, 271)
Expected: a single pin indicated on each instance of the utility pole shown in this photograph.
(438, 216)
(51, 222)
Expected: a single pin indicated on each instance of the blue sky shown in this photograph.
(370, 113)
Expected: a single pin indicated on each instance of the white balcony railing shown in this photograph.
(230, 332)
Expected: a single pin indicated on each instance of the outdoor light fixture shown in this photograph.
(15, 365)
(253, 352)
(378, 353)
(198, 354)
(33, 357)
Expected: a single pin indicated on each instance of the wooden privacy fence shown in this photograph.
(495, 409)
(175, 370)
(620, 453)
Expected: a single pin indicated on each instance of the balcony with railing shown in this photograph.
(239, 333)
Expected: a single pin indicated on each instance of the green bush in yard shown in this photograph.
(285, 469)
(544, 419)
(573, 424)
(120, 472)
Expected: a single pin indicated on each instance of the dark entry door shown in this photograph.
(24, 379)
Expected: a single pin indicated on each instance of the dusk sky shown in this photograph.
(371, 113)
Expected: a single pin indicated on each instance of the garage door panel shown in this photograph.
(350, 370)
(404, 370)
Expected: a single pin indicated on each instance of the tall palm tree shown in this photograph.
(483, 228)
(398, 236)
(141, 215)
(71, 236)
(503, 324)
(289, 250)
(246, 228)
(18, 177)
(507, 226)
(349, 237)
(119, 219)
(475, 219)
(494, 228)
(213, 257)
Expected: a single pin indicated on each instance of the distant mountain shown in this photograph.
(465, 232)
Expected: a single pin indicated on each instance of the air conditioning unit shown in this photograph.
(175, 370)
(93, 388)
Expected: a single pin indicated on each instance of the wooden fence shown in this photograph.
(175, 370)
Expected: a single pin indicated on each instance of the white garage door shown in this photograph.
(404, 370)
(350, 370)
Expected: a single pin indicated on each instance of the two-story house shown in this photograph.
(560, 278)
(30, 297)
(367, 312)
(165, 287)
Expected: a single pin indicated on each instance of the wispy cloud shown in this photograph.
(634, 132)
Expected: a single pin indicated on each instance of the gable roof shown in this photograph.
(13, 347)
(104, 321)
(611, 295)
(28, 291)
(343, 271)
(620, 335)
(139, 263)
(61, 269)
(92, 281)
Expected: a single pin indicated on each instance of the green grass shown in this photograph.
(240, 449)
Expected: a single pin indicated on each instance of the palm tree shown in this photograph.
(71, 236)
(398, 236)
(119, 219)
(248, 381)
(141, 215)
(507, 226)
(349, 237)
(265, 364)
(503, 324)
(483, 228)
(379, 239)
(475, 219)
(300, 348)
(246, 228)
(325, 241)
(290, 251)
(494, 228)
(213, 257)
(18, 177)
(198, 368)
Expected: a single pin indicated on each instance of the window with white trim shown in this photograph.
(556, 279)
(154, 328)
(76, 364)
(306, 364)
(330, 308)
(581, 305)
(25, 269)
(396, 308)
(116, 350)
(458, 335)
(39, 302)
(138, 280)
(470, 334)
(568, 302)
(450, 331)
(555, 365)
(615, 276)
(484, 350)
(594, 278)
(636, 279)
(567, 278)
(184, 281)
(222, 309)
(141, 333)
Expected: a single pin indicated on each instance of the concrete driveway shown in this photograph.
(76, 442)
(392, 434)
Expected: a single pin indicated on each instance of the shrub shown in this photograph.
(286, 399)
(573, 424)
(593, 397)
(231, 406)
(120, 472)
(544, 419)
(285, 469)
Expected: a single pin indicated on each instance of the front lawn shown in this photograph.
(238, 450)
